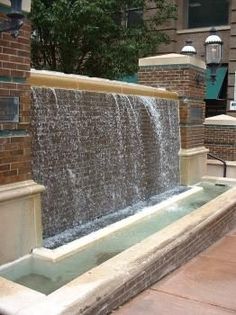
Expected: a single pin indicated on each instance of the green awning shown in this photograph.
(213, 90)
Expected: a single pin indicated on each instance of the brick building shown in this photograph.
(194, 21)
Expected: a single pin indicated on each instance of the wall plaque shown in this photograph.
(9, 109)
(196, 114)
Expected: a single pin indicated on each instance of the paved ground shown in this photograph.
(204, 286)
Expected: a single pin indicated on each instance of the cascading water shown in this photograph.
(97, 153)
(164, 121)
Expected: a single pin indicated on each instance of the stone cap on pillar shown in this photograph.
(171, 59)
(221, 120)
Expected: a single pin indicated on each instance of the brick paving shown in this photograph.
(204, 286)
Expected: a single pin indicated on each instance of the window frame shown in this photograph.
(131, 9)
(186, 15)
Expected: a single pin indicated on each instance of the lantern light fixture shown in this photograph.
(15, 19)
(213, 53)
(188, 49)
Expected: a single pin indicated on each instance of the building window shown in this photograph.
(204, 13)
(134, 17)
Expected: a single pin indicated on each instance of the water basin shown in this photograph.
(45, 275)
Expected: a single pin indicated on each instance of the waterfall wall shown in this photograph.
(99, 152)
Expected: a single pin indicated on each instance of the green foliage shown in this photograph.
(91, 37)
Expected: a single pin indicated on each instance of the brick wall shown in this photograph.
(97, 153)
(188, 81)
(15, 142)
(221, 141)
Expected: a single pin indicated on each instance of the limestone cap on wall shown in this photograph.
(221, 120)
(171, 59)
(55, 79)
(26, 4)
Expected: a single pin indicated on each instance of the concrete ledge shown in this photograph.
(67, 81)
(19, 190)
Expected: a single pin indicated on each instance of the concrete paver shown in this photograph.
(205, 279)
(223, 250)
(158, 303)
(205, 285)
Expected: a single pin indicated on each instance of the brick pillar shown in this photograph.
(20, 219)
(15, 142)
(220, 136)
(185, 75)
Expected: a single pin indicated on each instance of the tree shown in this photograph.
(92, 37)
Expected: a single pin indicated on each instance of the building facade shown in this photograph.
(194, 20)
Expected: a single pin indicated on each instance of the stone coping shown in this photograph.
(171, 59)
(193, 151)
(85, 292)
(19, 190)
(221, 120)
(76, 82)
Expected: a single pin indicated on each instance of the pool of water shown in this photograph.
(45, 276)
(84, 229)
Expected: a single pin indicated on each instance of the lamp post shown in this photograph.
(15, 19)
(213, 53)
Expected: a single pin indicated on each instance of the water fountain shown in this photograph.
(98, 147)
(97, 153)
